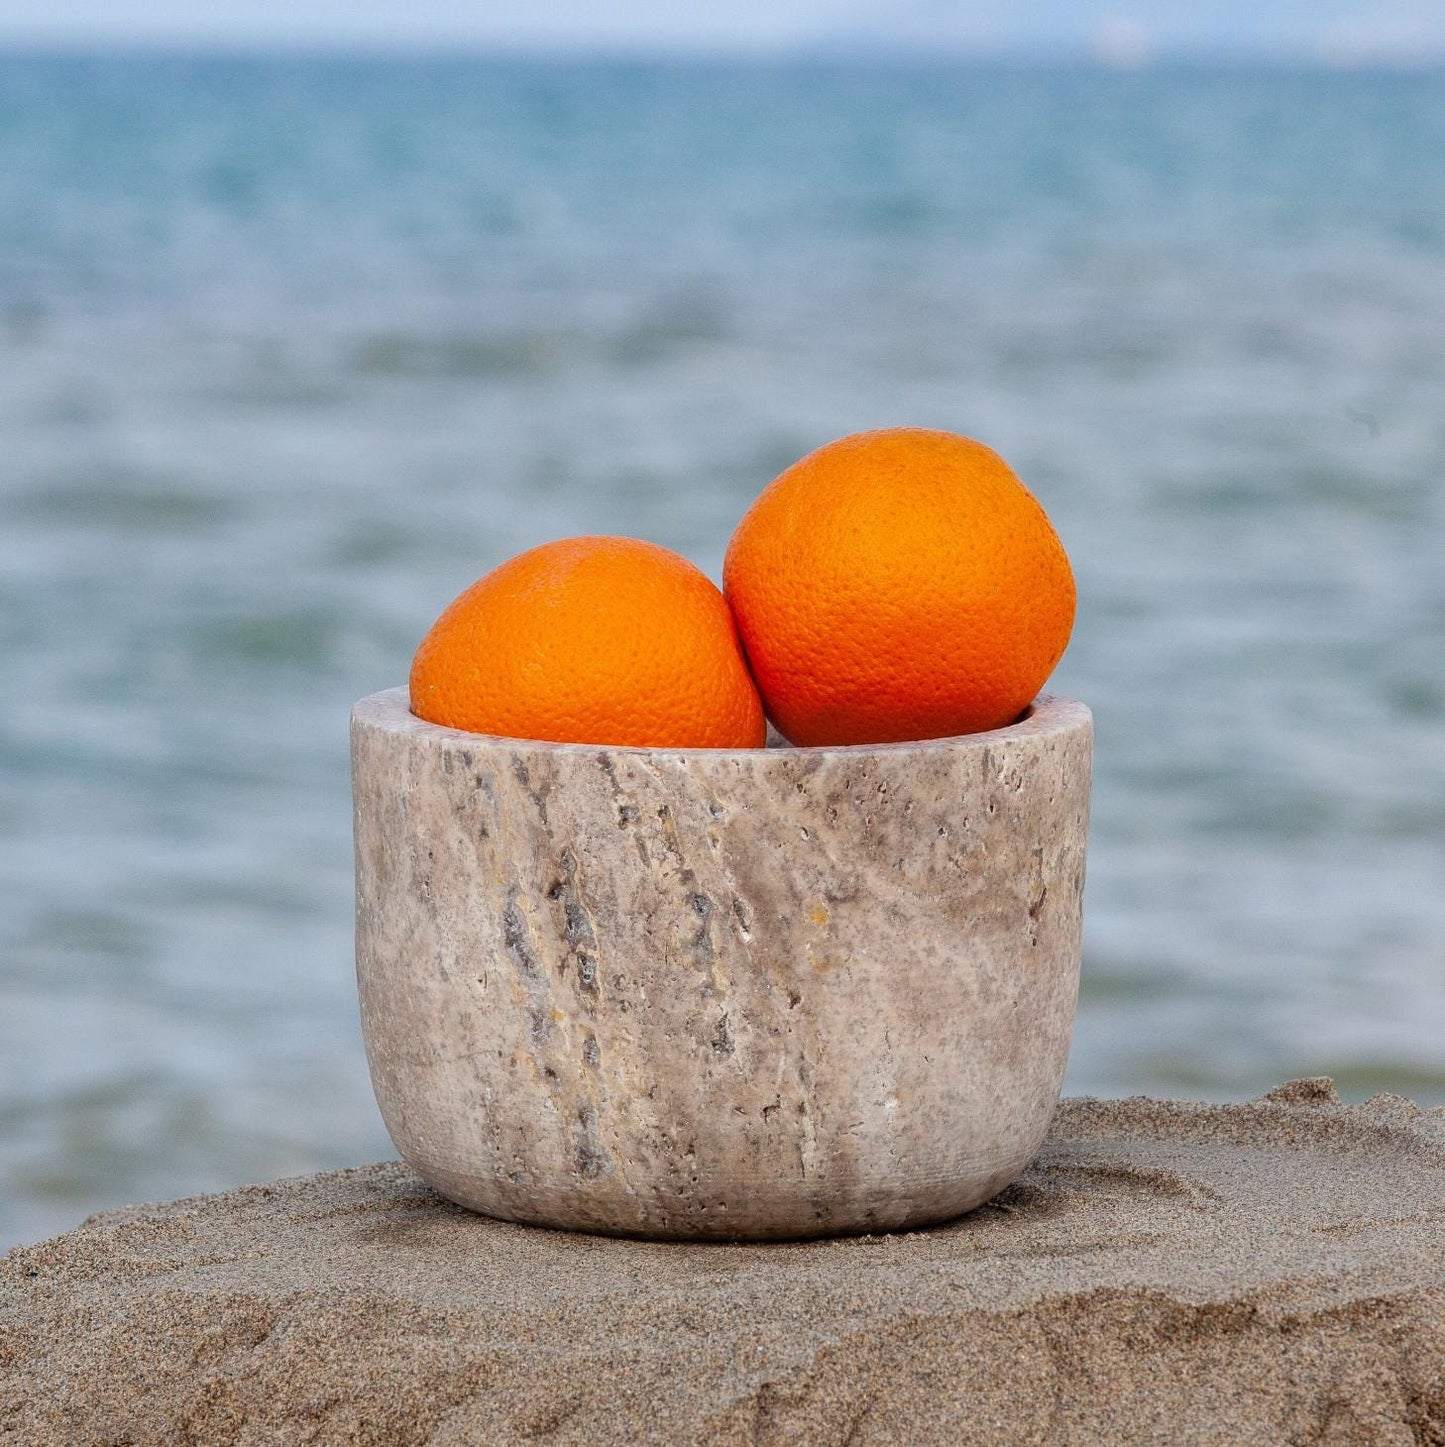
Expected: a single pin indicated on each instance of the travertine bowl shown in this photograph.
(713, 993)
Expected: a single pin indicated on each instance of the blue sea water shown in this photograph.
(292, 350)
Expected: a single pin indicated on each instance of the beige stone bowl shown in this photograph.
(736, 994)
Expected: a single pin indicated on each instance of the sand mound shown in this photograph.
(1167, 1272)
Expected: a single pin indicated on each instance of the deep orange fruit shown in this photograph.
(591, 640)
(900, 584)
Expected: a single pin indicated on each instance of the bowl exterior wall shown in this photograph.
(718, 994)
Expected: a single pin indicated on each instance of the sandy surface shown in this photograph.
(1167, 1272)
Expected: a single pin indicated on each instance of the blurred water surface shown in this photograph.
(291, 351)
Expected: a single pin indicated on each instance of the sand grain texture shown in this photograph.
(1167, 1272)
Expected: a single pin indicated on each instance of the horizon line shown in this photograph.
(852, 50)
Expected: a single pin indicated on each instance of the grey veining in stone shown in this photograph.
(718, 994)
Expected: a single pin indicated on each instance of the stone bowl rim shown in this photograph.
(389, 710)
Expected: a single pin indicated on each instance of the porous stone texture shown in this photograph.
(1165, 1274)
(733, 994)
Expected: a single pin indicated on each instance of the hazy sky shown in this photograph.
(1128, 31)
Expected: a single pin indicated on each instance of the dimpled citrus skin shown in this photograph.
(899, 584)
(595, 640)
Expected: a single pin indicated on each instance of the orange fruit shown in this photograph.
(591, 640)
(900, 584)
